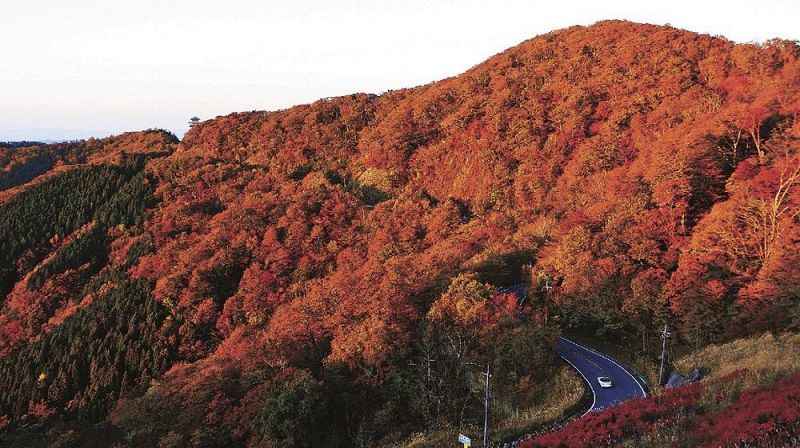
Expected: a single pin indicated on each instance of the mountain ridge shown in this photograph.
(303, 268)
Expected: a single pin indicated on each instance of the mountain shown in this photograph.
(327, 274)
(22, 162)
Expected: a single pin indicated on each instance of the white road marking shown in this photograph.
(644, 394)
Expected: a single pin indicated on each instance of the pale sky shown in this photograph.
(80, 68)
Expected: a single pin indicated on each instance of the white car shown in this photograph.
(604, 381)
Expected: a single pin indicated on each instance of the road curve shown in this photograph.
(592, 364)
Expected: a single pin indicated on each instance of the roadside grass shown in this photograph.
(561, 398)
(670, 434)
(766, 358)
(557, 399)
(731, 369)
(443, 436)
(749, 363)
(749, 397)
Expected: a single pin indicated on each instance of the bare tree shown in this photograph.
(767, 217)
(748, 233)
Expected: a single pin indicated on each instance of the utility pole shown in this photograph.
(485, 403)
(486, 410)
(547, 289)
(664, 335)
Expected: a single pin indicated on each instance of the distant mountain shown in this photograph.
(21, 162)
(49, 135)
(22, 144)
(326, 275)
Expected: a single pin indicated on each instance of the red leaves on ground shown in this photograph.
(771, 412)
(765, 413)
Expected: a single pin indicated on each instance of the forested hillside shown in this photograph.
(327, 275)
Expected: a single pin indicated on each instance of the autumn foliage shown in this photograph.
(336, 264)
(769, 416)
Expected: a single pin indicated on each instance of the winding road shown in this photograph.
(592, 364)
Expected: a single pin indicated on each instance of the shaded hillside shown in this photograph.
(328, 271)
(55, 230)
(23, 161)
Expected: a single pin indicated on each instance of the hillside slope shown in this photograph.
(325, 274)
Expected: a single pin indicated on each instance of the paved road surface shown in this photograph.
(592, 364)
